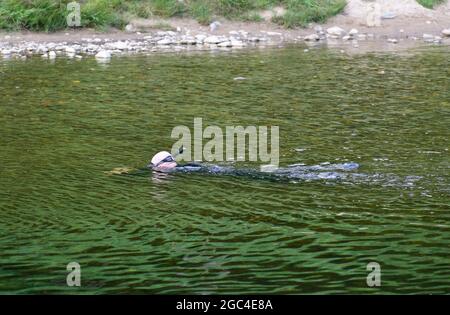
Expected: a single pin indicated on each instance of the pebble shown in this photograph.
(104, 54)
(176, 41)
(214, 26)
(224, 44)
(362, 37)
(353, 32)
(312, 38)
(188, 40)
(119, 45)
(428, 38)
(129, 28)
(335, 31)
(200, 38)
(70, 50)
(213, 40)
(237, 43)
(165, 41)
(446, 32)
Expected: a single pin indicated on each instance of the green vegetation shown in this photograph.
(45, 15)
(430, 3)
(50, 15)
(302, 12)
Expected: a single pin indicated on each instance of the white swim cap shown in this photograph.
(159, 157)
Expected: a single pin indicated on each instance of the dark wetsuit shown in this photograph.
(298, 171)
(343, 172)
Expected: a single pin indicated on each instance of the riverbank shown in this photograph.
(406, 27)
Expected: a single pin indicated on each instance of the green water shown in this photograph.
(64, 124)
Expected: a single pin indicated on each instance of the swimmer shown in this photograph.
(347, 172)
(164, 162)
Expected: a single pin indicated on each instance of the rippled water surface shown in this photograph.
(64, 125)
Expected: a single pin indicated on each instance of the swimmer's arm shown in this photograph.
(128, 171)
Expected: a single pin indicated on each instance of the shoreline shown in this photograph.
(342, 32)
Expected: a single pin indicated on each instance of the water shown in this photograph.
(64, 125)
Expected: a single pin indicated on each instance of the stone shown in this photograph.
(70, 50)
(393, 40)
(353, 32)
(237, 43)
(214, 26)
(213, 40)
(200, 38)
(224, 44)
(119, 45)
(42, 49)
(103, 54)
(165, 41)
(362, 37)
(312, 38)
(388, 16)
(52, 55)
(130, 28)
(335, 31)
(188, 40)
(428, 38)
(446, 32)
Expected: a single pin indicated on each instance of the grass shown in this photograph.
(50, 15)
(102, 13)
(302, 12)
(430, 3)
(36, 15)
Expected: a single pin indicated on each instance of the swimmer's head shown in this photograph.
(163, 161)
